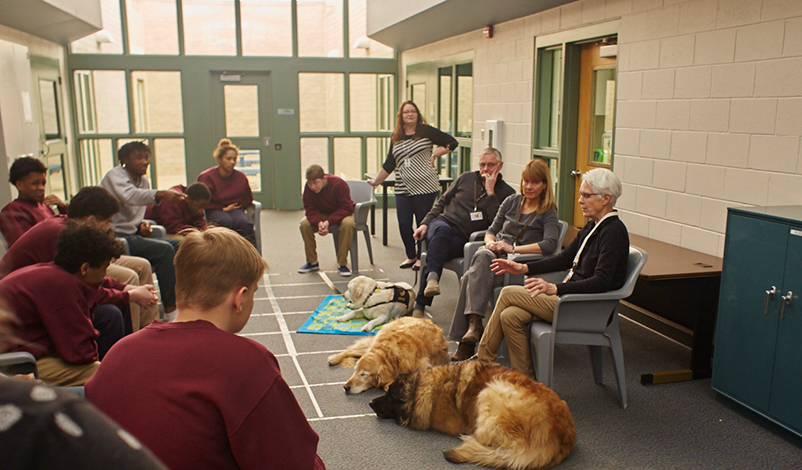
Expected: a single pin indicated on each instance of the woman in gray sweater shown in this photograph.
(525, 223)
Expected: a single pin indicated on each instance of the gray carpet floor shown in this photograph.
(673, 426)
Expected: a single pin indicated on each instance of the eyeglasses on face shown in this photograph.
(409, 111)
(586, 195)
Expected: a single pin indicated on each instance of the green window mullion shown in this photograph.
(179, 19)
(331, 154)
(347, 102)
(238, 26)
(294, 14)
(364, 151)
(124, 27)
(346, 45)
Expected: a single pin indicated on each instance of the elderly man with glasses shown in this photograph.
(469, 205)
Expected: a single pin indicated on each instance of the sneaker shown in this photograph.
(432, 288)
(344, 271)
(308, 268)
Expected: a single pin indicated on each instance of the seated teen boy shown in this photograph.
(38, 245)
(189, 213)
(29, 175)
(215, 400)
(327, 201)
(55, 303)
(129, 184)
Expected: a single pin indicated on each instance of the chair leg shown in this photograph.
(596, 362)
(367, 243)
(618, 359)
(355, 254)
(540, 347)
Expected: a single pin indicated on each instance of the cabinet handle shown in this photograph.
(769, 296)
(786, 300)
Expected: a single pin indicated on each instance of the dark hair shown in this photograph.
(84, 241)
(95, 201)
(399, 133)
(315, 172)
(23, 166)
(198, 192)
(132, 147)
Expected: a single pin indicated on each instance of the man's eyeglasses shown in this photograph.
(586, 195)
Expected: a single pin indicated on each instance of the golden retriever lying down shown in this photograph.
(400, 347)
(506, 419)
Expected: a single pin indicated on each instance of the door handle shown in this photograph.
(786, 300)
(769, 295)
(576, 173)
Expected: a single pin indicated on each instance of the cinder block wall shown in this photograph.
(709, 105)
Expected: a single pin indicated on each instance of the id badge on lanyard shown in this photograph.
(476, 214)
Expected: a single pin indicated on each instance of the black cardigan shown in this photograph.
(602, 266)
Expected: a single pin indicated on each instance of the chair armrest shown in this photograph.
(511, 279)
(157, 231)
(125, 245)
(477, 236)
(18, 363)
(595, 297)
(470, 249)
(362, 210)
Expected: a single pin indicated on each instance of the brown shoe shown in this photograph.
(475, 329)
(432, 288)
(465, 351)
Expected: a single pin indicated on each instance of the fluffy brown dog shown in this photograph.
(506, 419)
(400, 347)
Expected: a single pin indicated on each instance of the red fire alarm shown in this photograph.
(488, 31)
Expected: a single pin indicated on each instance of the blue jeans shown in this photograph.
(237, 220)
(405, 207)
(108, 321)
(444, 242)
(160, 252)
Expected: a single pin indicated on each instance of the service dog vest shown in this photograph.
(400, 295)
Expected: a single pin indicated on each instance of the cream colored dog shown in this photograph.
(377, 301)
(402, 346)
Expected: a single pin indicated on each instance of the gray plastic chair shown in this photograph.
(459, 265)
(254, 212)
(364, 199)
(590, 319)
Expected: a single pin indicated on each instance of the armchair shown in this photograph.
(362, 195)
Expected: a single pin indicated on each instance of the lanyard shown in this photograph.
(518, 230)
(614, 213)
(475, 192)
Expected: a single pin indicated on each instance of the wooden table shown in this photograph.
(679, 288)
(390, 181)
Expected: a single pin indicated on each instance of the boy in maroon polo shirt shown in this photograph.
(181, 215)
(29, 176)
(55, 302)
(203, 411)
(327, 201)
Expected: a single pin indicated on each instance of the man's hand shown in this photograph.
(323, 228)
(144, 296)
(54, 200)
(503, 266)
(420, 232)
(170, 196)
(231, 207)
(537, 286)
(490, 181)
(144, 228)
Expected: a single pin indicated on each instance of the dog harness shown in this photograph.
(400, 295)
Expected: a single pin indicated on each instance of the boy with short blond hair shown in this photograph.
(215, 400)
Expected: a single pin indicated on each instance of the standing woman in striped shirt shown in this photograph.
(416, 178)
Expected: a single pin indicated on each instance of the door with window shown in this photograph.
(241, 110)
(594, 142)
(49, 108)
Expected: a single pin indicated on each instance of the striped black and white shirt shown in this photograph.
(414, 174)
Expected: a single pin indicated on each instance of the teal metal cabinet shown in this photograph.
(758, 352)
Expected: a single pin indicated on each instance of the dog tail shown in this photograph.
(472, 451)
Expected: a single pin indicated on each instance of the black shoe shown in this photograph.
(407, 265)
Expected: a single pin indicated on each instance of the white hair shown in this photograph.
(604, 181)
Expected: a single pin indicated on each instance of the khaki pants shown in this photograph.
(514, 311)
(135, 271)
(54, 371)
(345, 236)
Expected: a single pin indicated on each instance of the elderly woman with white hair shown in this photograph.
(596, 258)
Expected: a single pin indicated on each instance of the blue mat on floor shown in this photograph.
(322, 320)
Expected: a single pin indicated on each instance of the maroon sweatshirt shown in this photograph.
(226, 191)
(334, 201)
